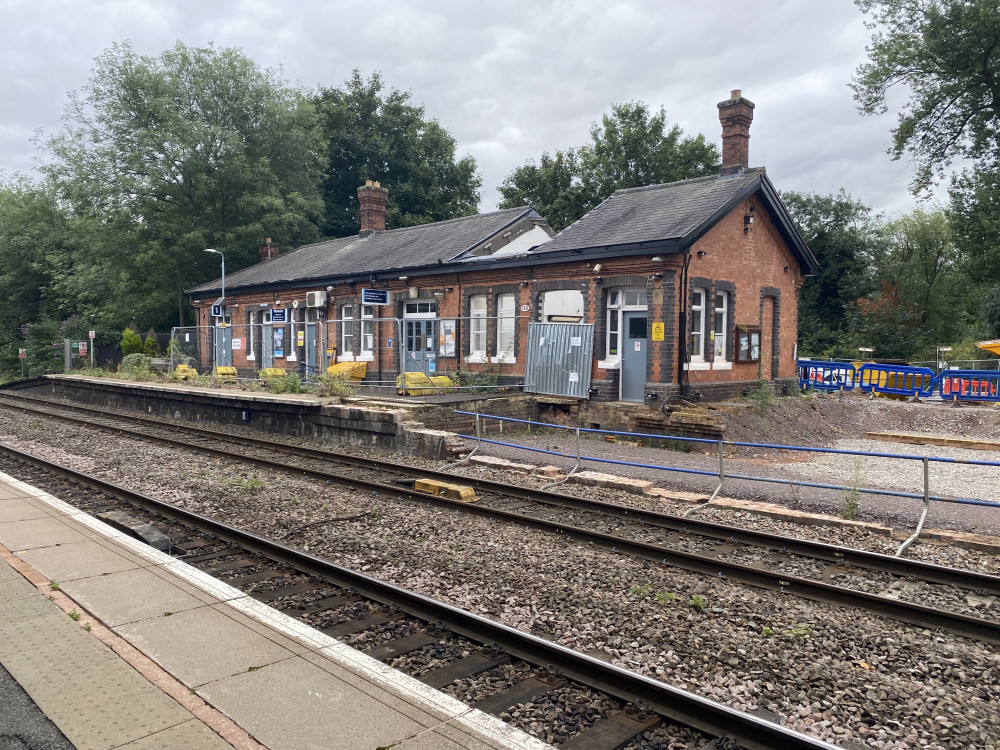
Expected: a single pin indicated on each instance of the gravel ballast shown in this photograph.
(834, 673)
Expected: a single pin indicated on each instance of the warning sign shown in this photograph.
(658, 331)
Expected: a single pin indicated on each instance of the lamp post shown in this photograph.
(215, 343)
(941, 365)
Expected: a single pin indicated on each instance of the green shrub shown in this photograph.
(136, 364)
(150, 346)
(332, 385)
(131, 342)
(291, 383)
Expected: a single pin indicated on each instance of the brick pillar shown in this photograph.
(735, 114)
(372, 198)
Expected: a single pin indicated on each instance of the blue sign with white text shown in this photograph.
(376, 297)
(278, 316)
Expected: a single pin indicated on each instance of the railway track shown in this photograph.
(876, 582)
(437, 643)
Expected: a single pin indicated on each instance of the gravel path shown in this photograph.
(835, 673)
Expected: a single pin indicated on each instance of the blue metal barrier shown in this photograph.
(970, 385)
(825, 376)
(898, 380)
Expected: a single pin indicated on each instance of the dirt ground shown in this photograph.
(820, 419)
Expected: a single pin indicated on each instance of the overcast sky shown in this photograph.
(508, 80)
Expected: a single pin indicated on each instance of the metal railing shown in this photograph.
(721, 474)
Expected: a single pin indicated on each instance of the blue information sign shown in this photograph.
(376, 297)
(216, 311)
(278, 316)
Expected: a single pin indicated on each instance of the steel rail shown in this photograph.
(832, 553)
(916, 614)
(672, 703)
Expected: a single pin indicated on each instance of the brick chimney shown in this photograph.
(735, 114)
(372, 198)
(267, 251)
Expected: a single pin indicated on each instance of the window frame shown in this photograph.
(506, 328)
(367, 349)
(697, 352)
(720, 323)
(478, 307)
(346, 332)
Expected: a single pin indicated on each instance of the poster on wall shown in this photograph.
(279, 342)
(446, 338)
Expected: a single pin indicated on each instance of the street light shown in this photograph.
(220, 254)
(941, 364)
(215, 346)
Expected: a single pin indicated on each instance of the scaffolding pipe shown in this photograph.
(923, 515)
(571, 471)
(722, 481)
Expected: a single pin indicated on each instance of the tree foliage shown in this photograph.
(630, 147)
(946, 54)
(163, 157)
(841, 232)
(375, 135)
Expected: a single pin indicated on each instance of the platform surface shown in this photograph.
(121, 646)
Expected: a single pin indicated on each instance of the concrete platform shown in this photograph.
(121, 646)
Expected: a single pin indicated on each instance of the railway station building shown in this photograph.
(688, 288)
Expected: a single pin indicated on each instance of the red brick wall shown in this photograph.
(749, 265)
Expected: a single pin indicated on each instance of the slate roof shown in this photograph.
(678, 212)
(410, 247)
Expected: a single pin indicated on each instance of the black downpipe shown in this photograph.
(682, 374)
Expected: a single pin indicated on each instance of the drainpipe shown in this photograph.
(682, 374)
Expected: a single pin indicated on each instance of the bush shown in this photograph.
(136, 364)
(131, 343)
(150, 347)
(291, 383)
(331, 385)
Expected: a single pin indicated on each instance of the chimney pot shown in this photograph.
(735, 114)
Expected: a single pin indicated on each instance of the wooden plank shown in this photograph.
(902, 437)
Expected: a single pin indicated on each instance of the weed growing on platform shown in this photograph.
(332, 385)
(74, 615)
(852, 497)
(54, 585)
(291, 383)
(86, 626)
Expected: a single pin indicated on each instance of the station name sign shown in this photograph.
(376, 297)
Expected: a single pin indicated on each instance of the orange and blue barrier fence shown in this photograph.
(900, 380)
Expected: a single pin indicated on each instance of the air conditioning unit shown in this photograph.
(315, 299)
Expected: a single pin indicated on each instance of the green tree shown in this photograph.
(131, 342)
(630, 147)
(553, 187)
(841, 232)
(167, 156)
(946, 54)
(886, 323)
(918, 255)
(372, 134)
(975, 218)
